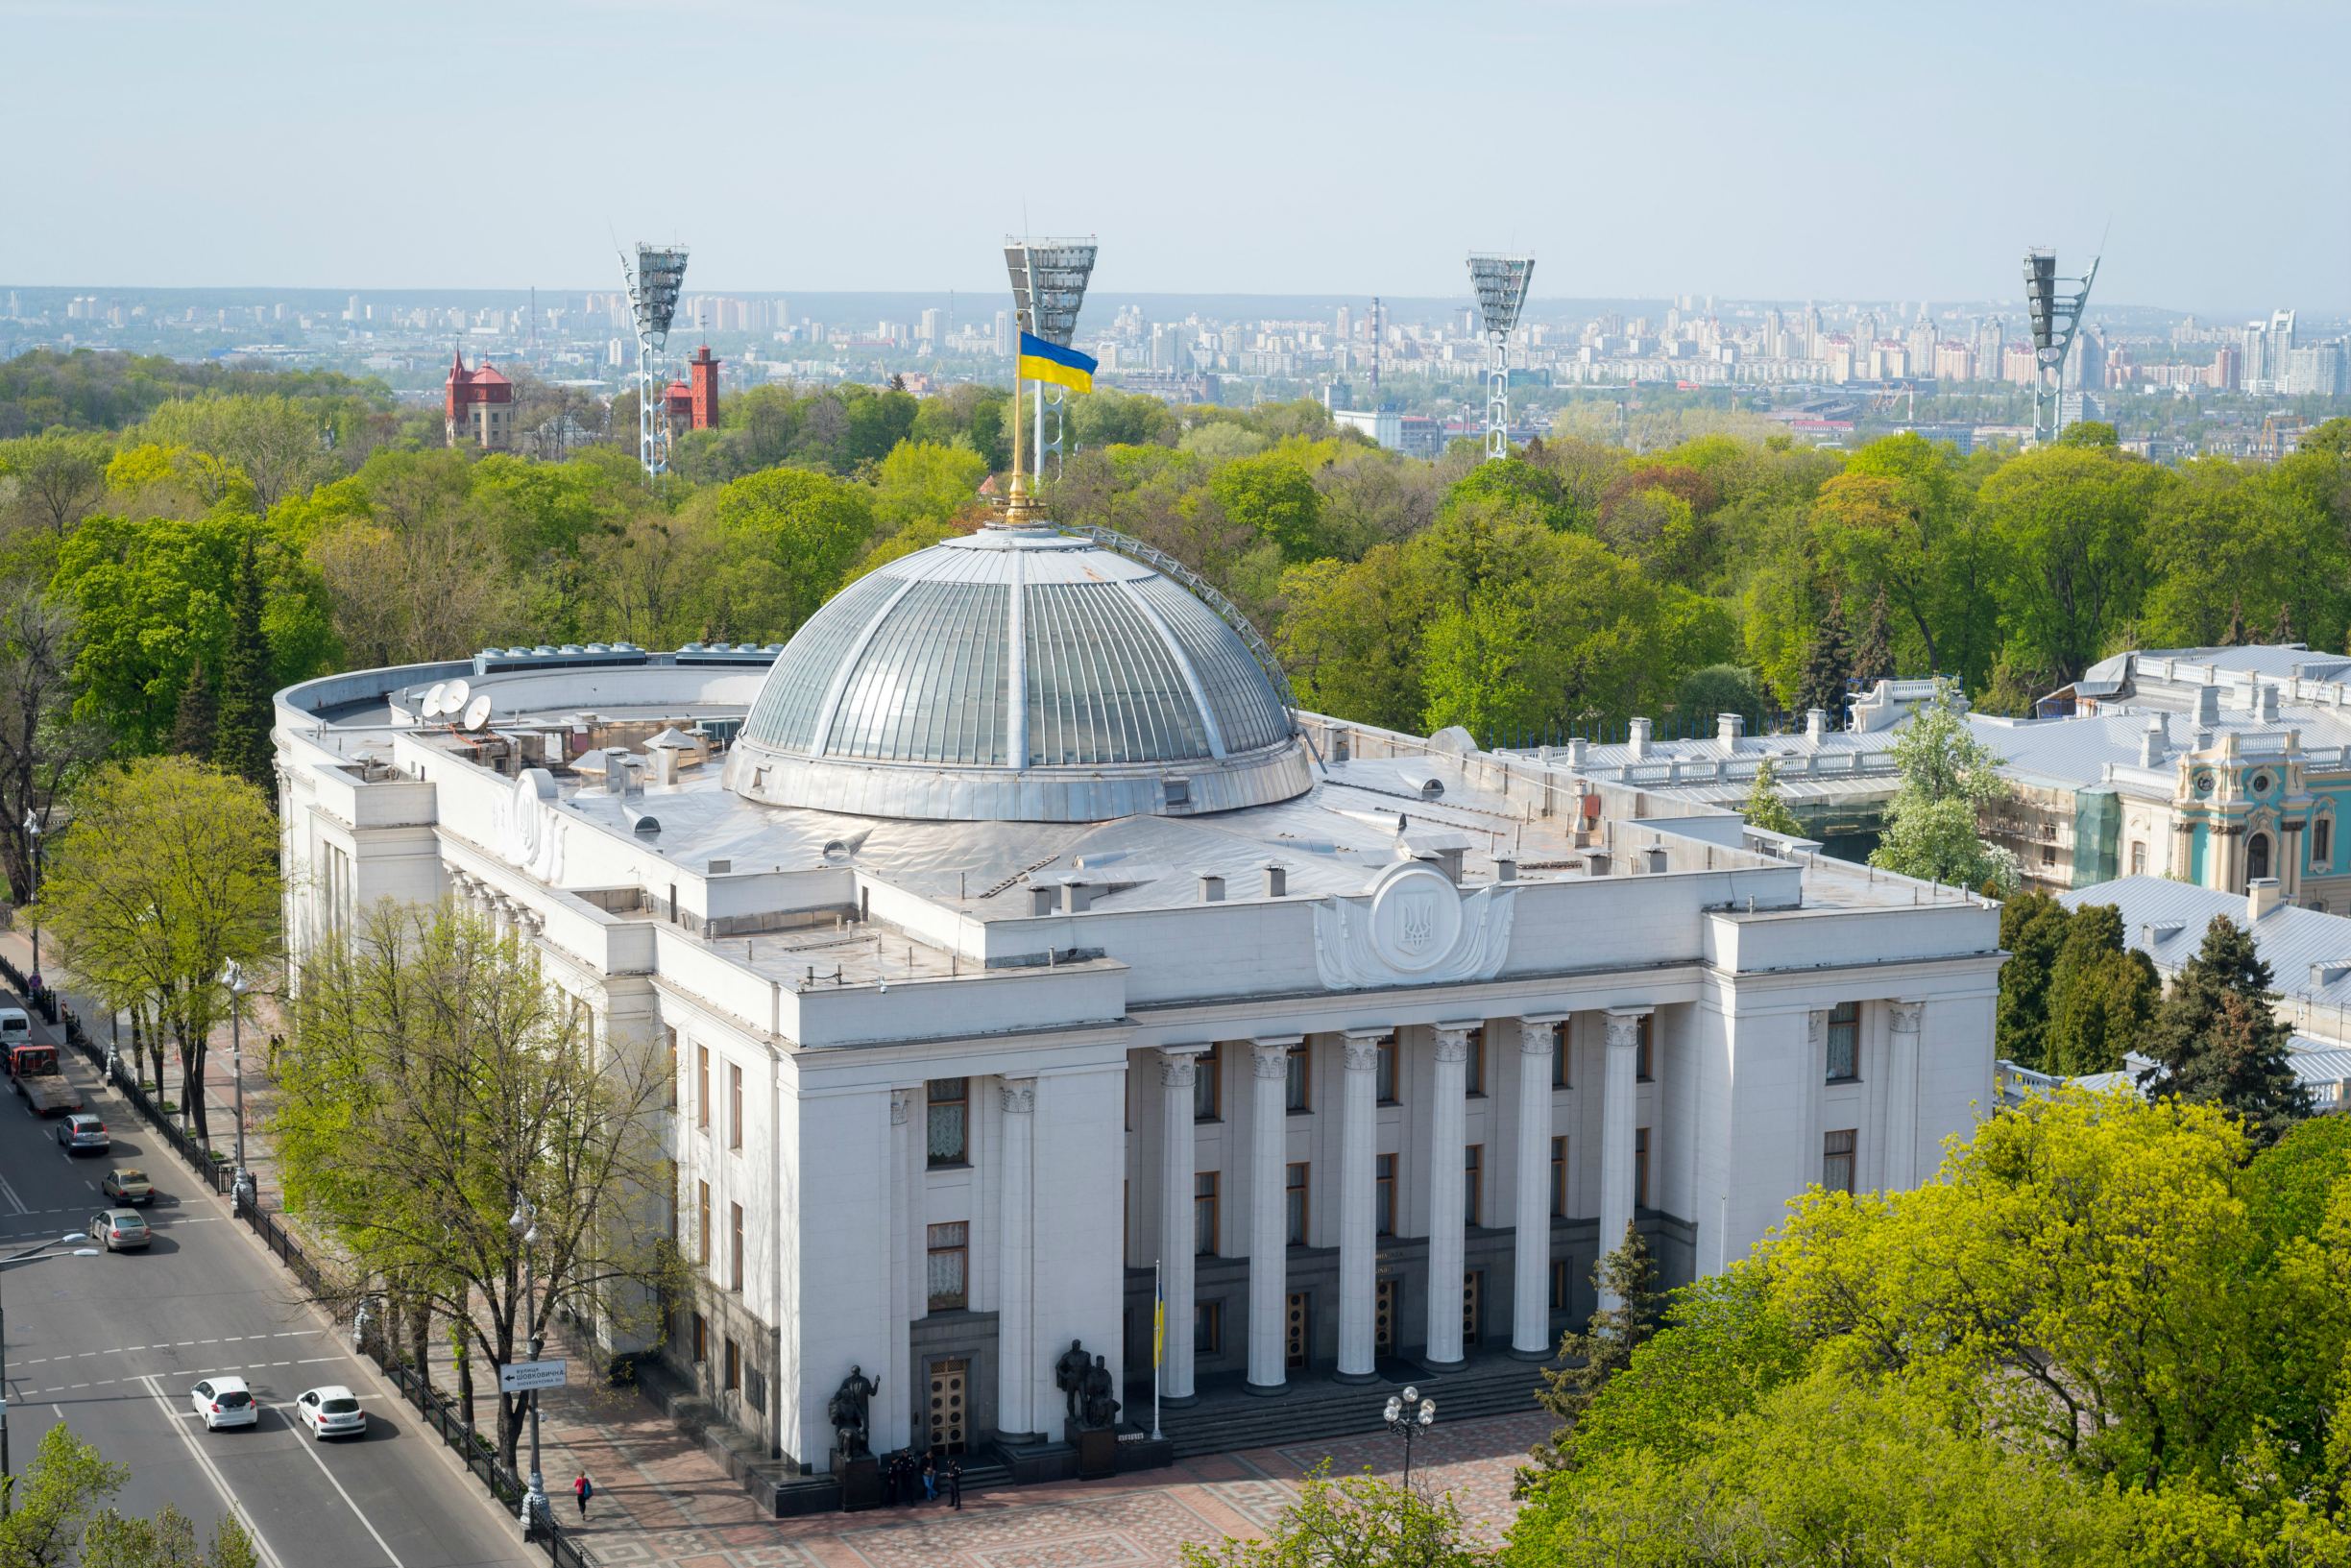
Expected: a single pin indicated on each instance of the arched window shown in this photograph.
(2322, 843)
(2257, 856)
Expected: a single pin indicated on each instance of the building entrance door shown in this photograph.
(949, 1377)
(1383, 1318)
(1295, 1330)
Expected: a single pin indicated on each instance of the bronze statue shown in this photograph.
(1070, 1377)
(848, 1411)
(1101, 1408)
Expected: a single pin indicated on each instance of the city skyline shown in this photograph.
(1646, 150)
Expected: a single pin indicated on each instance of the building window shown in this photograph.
(1558, 1285)
(948, 1125)
(2048, 857)
(1837, 1160)
(1204, 1213)
(1385, 1074)
(1559, 1056)
(701, 1339)
(1293, 1202)
(2257, 856)
(1208, 1328)
(669, 1033)
(735, 1248)
(702, 1226)
(733, 1105)
(1473, 1167)
(1845, 1042)
(1383, 1187)
(734, 1365)
(702, 1087)
(949, 1266)
(1207, 1086)
(1297, 1072)
(1640, 1168)
(1559, 1178)
(2322, 843)
(1473, 1077)
(1644, 1060)
(2138, 860)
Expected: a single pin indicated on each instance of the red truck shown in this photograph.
(46, 1089)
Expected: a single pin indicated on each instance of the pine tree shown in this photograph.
(2101, 995)
(2032, 931)
(1827, 663)
(2235, 636)
(241, 745)
(196, 723)
(2217, 1041)
(1765, 808)
(1605, 1346)
(1872, 658)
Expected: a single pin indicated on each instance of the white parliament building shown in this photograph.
(1017, 944)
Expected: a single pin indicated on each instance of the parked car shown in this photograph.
(82, 1130)
(128, 1184)
(331, 1411)
(121, 1229)
(223, 1402)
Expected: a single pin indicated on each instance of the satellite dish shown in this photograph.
(478, 711)
(434, 696)
(453, 698)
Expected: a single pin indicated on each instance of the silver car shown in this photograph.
(82, 1130)
(120, 1229)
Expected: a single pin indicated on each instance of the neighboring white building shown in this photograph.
(1010, 937)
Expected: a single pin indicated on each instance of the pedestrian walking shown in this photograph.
(955, 1484)
(930, 1478)
(889, 1480)
(583, 1490)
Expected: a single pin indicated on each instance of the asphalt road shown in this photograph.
(112, 1346)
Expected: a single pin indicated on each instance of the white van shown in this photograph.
(16, 1028)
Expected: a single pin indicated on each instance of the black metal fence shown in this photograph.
(478, 1452)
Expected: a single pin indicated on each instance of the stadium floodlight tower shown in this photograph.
(1049, 287)
(653, 285)
(2054, 315)
(1501, 283)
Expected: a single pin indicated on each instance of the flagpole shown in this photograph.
(1158, 1343)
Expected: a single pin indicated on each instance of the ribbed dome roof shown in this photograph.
(1017, 674)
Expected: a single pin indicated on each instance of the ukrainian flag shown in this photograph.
(1043, 361)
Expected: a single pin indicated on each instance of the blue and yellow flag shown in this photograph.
(1043, 361)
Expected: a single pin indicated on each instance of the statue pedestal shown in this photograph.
(860, 1481)
(1097, 1449)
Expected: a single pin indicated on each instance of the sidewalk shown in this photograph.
(663, 1502)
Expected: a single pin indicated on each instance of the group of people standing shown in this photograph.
(908, 1481)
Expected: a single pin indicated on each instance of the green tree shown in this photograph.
(1765, 808)
(2033, 928)
(1872, 656)
(1827, 663)
(786, 537)
(1948, 779)
(241, 743)
(2101, 994)
(59, 478)
(1354, 1522)
(56, 1517)
(1706, 693)
(1274, 496)
(1898, 522)
(1625, 1280)
(920, 482)
(2066, 526)
(1521, 487)
(45, 749)
(1351, 637)
(167, 873)
(2217, 1041)
(196, 721)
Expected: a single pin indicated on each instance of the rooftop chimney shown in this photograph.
(1450, 862)
(2156, 743)
(1816, 724)
(1076, 897)
(1597, 862)
(1041, 898)
(1505, 871)
(1728, 727)
(2265, 704)
(1211, 889)
(1636, 739)
(1277, 883)
(1579, 751)
(2208, 707)
(1653, 860)
(2261, 897)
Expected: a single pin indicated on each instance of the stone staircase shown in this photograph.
(1315, 1409)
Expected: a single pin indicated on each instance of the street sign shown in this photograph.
(518, 1377)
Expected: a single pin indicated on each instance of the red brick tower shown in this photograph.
(703, 372)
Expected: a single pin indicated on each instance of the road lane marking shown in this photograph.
(14, 1201)
(309, 1446)
(220, 1483)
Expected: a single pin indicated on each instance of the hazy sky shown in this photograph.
(1888, 149)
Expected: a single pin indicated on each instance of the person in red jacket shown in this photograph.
(583, 1490)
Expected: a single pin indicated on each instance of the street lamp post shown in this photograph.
(7, 1485)
(33, 832)
(233, 979)
(1410, 1415)
(524, 1223)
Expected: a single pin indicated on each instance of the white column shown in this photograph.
(1016, 1339)
(1178, 1069)
(1617, 1113)
(1902, 1098)
(1358, 1216)
(1269, 1237)
(1447, 1115)
(1530, 1294)
(896, 1398)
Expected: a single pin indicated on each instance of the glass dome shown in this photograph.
(1018, 674)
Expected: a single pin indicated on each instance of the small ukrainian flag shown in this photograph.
(1043, 361)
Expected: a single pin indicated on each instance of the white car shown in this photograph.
(223, 1402)
(331, 1411)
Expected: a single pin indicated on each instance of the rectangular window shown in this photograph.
(1383, 1203)
(1837, 1160)
(1473, 1196)
(701, 1339)
(1293, 1202)
(1208, 1328)
(1207, 1086)
(734, 1365)
(2049, 855)
(670, 1034)
(947, 1126)
(735, 1248)
(1559, 1056)
(733, 1105)
(1558, 1285)
(1473, 1078)
(1559, 1178)
(1640, 1168)
(1845, 1042)
(2138, 858)
(1644, 1063)
(1298, 1071)
(1386, 1073)
(949, 1266)
(2322, 846)
(702, 1223)
(1204, 1213)
(702, 1087)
